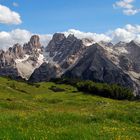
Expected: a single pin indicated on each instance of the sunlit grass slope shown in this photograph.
(35, 112)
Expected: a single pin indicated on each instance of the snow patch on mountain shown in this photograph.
(22, 60)
(26, 66)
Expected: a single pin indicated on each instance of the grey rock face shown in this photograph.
(65, 51)
(45, 72)
(35, 42)
(9, 72)
(134, 55)
(125, 63)
(55, 43)
(16, 51)
(94, 65)
(6, 59)
(131, 58)
(106, 44)
(130, 62)
(33, 45)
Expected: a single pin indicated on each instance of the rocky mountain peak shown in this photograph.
(35, 41)
(1, 52)
(106, 44)
(65, 50)
(16, 48)
(134, 48)
(55, 43)
(120, 44)
(71, 38)
(133, 43)
(33, 45)
(16, 51)
(88, 41)
(58, 37)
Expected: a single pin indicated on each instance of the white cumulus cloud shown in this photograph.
(96, 37)
(8, 39)
(7, 16)
(126, 34)
(127, 7)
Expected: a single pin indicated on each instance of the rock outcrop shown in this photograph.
(45, 72)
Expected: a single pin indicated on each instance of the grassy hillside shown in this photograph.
(36, 112)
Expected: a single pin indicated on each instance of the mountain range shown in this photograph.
(74, 58)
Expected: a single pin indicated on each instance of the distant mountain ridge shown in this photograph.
(22, 59)
(74, 58)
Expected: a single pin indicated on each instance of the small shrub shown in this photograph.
(56, 89)
(37, 85)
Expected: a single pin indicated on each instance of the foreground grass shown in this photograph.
(37, 113)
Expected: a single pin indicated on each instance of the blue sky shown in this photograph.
(49, 16)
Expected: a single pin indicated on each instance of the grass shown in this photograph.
(35, 112)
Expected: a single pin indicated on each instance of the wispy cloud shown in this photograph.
(127, 6)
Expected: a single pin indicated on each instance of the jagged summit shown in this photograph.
(65, 50)
(120, 44)
(88, 41)
(33, 45)
(35, 41)
(22, 60)
(16, 51)
(58, 37)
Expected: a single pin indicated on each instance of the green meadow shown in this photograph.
(36, 112)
